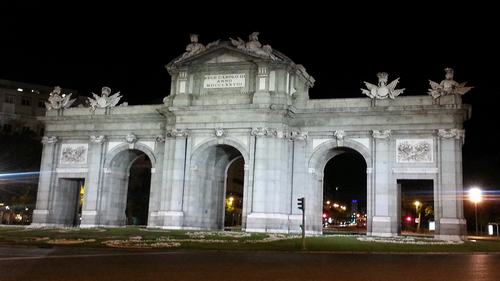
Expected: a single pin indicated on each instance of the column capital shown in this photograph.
(160, 138)
(97, 139)
(47, 139)
(259, 132)
(298, 135)
(177, 133)
(381, 134)
(451, 133)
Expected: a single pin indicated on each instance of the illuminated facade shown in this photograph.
(241, 100)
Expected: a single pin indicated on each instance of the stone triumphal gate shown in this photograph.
(241, 100)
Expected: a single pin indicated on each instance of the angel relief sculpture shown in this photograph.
(448, 86)
(105, 100)
(382, 90)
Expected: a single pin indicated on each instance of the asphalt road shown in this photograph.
(32, 264)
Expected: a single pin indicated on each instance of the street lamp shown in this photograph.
(475, 196)
(417, 207)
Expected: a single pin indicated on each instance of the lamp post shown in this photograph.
(417, 207)
(475, 196)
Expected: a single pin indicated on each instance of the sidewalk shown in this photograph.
(483, 238)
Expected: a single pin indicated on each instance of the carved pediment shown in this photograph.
(225, 58)
(224, 52)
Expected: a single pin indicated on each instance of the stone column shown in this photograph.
(449, 214)
(175, 155)
(270, 209)
(93, 182)
(41, 215)
(299, 185)
(381, 197)
(156, 182)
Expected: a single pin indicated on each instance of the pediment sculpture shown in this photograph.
(196, 47)
(105, 100)
(382, 90)
(253, 45)
(448, 86)
(57, 100)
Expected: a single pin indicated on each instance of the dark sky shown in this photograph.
(126, 48)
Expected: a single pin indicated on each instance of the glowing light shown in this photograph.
(432, 226)
(324, 216)
(8, 175)
(475, 195)
(328, 202)
(417, 203)
(408, 219)
(19, 89)
(335, 205)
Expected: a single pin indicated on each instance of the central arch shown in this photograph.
(320, 157)
(205, 195)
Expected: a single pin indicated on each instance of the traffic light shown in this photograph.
(301, 204)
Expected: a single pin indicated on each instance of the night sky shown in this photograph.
(126, 49)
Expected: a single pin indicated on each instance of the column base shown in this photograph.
(277, 223)
(452, 229)
(89, 219)
(41, 218)
(169, 220)
(381, 226)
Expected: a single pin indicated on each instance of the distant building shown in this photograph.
(21, 103)
(354, 206)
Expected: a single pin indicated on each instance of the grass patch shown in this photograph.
(204, 240)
